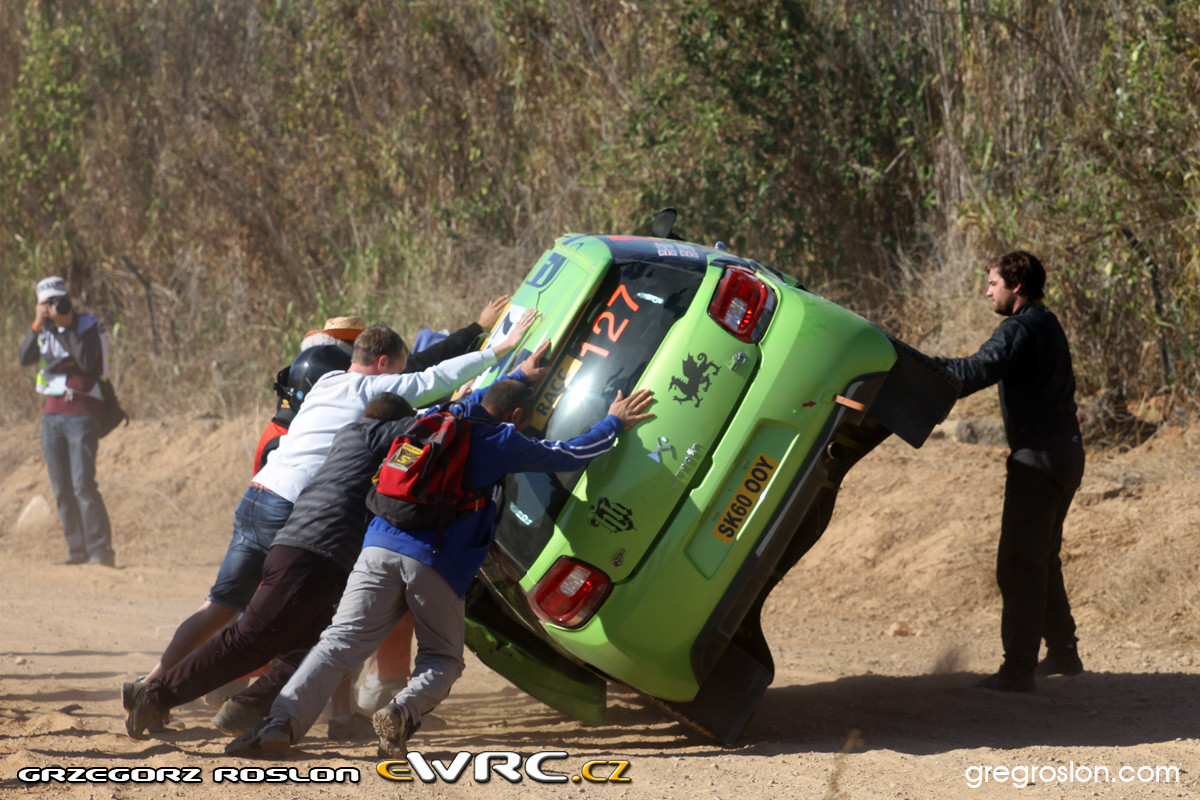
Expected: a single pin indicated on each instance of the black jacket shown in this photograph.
(457, 343)
(330, 516)
(1029, 357)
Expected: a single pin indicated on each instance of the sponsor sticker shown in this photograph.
(554, 391)
(512, 315)
(616, 517)
(698, 373)
(747, 494)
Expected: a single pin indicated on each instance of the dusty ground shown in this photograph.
(878, 636)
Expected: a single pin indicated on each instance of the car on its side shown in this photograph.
(650, 567)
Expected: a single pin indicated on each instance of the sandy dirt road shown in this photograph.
(878, 636)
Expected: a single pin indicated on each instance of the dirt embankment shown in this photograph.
(878, 635)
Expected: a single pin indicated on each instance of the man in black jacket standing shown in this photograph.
(1028, 356)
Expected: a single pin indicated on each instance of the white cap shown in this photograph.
(53, 286)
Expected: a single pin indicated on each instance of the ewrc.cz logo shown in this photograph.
(506, 764)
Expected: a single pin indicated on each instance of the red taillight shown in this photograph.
(743, 304)
(569, 593)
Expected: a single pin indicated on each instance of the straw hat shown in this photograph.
(345, 329)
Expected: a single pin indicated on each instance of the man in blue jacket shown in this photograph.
(428, 572)
(1028, 356)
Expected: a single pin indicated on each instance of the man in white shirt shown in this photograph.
(337, 399)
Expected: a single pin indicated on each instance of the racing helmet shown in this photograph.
(293, 383)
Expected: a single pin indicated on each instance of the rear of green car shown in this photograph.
(650, 566)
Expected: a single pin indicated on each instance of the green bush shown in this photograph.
(215, 179)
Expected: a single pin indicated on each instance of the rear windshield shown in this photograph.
(608, 350)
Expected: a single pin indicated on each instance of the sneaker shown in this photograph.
(71, 561)
(351, 728)
(236, 717)
(394, 729)
(271, 737)
(140, 712)
(374, 694)
(127, 694)
(109, 560)
(1060, 661)
(1007, 682)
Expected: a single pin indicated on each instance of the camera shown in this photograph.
(62, 304)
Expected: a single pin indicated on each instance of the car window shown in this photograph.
(610, 347)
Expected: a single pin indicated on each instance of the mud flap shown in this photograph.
(727, 698)
(916, 395)
(518, 655)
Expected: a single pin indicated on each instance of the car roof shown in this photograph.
(648, 248)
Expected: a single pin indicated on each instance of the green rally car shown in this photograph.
(650, 567)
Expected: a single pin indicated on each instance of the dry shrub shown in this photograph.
(246, 171)
(250, 169)
(937, 306)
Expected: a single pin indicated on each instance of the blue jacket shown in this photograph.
(496, 450)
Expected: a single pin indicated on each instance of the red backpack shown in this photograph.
(424, 483)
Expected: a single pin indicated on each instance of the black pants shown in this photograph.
(1028, 566)
(285, 617)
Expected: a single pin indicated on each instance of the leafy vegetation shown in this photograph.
(216, 178)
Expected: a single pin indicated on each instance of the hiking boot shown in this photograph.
(394, 729)
(71, 561)
(353, 728)
(109, 560)
(1059, 661)
(271, 737)
(1009, 682)
(127, 691)
(140, 713)
(236, 717)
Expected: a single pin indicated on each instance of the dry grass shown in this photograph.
(249, 170)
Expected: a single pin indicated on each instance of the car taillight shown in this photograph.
(743, 304)
(569, 593)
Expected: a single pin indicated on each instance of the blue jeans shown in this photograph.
(259, 516)
(70, 442)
